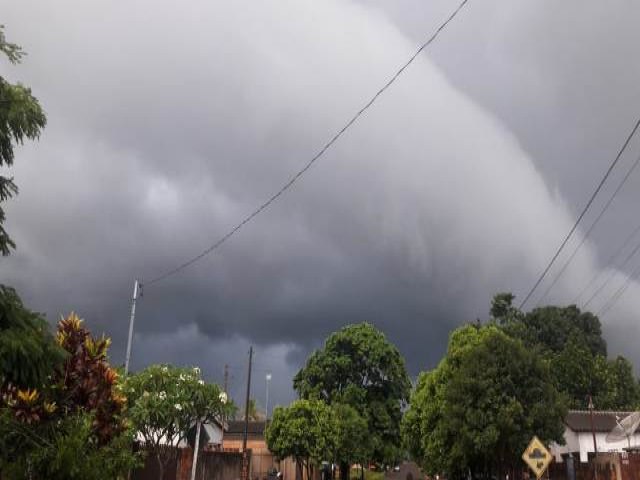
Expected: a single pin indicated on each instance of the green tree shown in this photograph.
(482, 404)
(165, 402)
(358, 366)
(28, 353)
(305, 430)
(69, 423)
(352, 442)
(571, 340)
(21, 117)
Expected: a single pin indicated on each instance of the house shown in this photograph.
(578, 435)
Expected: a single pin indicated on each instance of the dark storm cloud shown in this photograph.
(168, 123)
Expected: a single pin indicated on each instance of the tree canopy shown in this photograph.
(28, 353)
(67, 421)
(21, 117)
(479, 408)
(165, 402)
(359, 367)
(571, 340)
(305, 430)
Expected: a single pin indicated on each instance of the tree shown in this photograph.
(28, 353)
(359, 367)
(69, 423)
(352, 442)
(305, 430)
(20, 117)
(165, 402)
(482, 404)
(255, 414)
(571, 340)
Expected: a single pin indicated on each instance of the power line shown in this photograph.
(608, 263)
(310, 163)
(582, 214)
(616, 296)
(611, 275)
(593, 225)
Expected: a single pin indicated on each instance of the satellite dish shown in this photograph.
(625, 428)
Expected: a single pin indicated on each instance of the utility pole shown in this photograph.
(196, 447)
(226, 392)
(136, 291)
(266, 408)
(593, 432)
(245, 456)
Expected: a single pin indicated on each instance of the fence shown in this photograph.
(211, 466)
(606, 466)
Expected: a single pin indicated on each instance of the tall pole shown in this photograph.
(136, 290)
(196, 446)
(266, 408)
(245, 456)
(226, 393)
(593, 432)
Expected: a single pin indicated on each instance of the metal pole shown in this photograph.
(246, 408)
(136, 288)
(245, 456)
(194, 465)
(593, 432)
(226, 392)
(266, 413)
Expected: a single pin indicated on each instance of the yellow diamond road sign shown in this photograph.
(537, 457)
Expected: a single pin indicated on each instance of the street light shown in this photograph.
(268, 379)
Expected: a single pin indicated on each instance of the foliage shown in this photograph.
(482, 404)
(255, 414)
(306, 430)
(57, 426)
(28, 353)
(571, 341)
(66, 449)
(20, 117)
(166, 401)
(359, 367)
(352, 443)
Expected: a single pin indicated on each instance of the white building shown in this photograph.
(579, 438)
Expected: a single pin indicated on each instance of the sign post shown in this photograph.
(537, 457)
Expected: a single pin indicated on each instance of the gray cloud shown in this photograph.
(169, 123)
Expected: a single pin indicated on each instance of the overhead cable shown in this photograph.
(591, 227)
(310, 163)
(582, 214)
(609, 263)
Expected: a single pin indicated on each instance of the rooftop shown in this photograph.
(603, 421)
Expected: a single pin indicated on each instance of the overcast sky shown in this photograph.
(170, 121)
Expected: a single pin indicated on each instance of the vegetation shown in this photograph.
(571, 341)
(28, 353)
(306, 430)
(69, 425)
(479, 408)
(165, 402)
(359, 367)
(20, 117)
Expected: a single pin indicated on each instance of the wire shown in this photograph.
(310, 163)
(611, 275)
(582, 214)
(608, 263)
(616, 296)
(593, 225)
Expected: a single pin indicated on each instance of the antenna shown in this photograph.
(624, 428)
